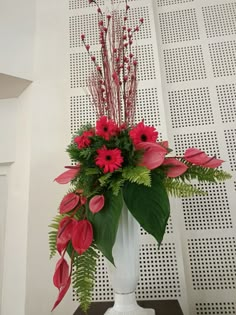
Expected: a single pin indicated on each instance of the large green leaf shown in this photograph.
(105, 224)
(149, 205)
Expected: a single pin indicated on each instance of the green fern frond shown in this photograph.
(139, 175)
(116, 185)
(179, 189)
(91, 171)
(103, 179)
(83, 276)
(205, 174)
(52, 235)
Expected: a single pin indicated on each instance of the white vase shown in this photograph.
(124, 277)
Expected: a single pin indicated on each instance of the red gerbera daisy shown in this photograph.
(106, 128)
(109, 159)
(142, 133)
(83, 141)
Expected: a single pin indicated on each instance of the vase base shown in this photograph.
(138, 311)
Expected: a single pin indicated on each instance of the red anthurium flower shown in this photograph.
(106, 128)
(96, 203)
(64, 233)
(83, 141)
(69, 202)
(154, 154)
(82, 236)
(142, 133)
(199, 157)
(61, 280)
(175, 167)
(67, 176)
(109, 159)
(61, 273)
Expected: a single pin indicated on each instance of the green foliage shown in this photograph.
(83, 276)
(204, 174)
(105, 223)
(139, 175)
(180, 189)
(53, 234)
(149, 205)
(116, 185)
(104, 179)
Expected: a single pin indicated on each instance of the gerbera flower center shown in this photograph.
(108, 157)
(143, 137)
(105, 129)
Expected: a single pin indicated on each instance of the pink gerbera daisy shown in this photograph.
(109, 159)
(142, 133)
(83, 141)
(106, 128)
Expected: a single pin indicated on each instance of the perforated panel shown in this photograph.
(220, 19)
(81, 68)
(213, 263)
(83, 24)
(147, 65)
(159, 276)
(178, 26)
(81, 112)
(169, 228)
(190, 107)
(206, 141)
(147, 106)
(79, 4)
(161, 3)
(208, 212)
(230, 139)
(184, 64)
(213, 308)
(223, 58)
(227, 102)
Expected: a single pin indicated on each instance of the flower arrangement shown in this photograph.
(116, 161)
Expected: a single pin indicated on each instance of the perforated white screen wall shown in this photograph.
(186, 53)
(197, 45)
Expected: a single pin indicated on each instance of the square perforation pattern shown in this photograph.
(178, 26)
(83, 24)
(80, 112)
(213, 308)
(223, 58)
(190, 107)
(81, 68)
(230, 139)
(184, 64)
(146, 62)
(159, 277)
(220, 20)
(147, 107)
(80, 4)
(206, 141)
(161, 3)
(169, 228)
(213, 263)
(227, 102)
(208, 212)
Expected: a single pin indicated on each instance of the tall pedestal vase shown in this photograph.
(124, 277)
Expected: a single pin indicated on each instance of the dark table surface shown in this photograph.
(164, 307)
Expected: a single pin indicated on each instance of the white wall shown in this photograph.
(8, 116)
(16, 37)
